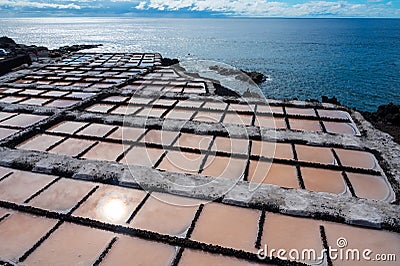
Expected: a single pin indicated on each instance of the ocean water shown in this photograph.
(355, 60)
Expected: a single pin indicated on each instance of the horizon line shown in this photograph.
(198, 17)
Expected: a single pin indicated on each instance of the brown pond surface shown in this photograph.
(127, 133)
(142, 156)
(111, 204)
(193, 141)
(35, 101)
(23, 120)
(62, 103)
(180, 114)
(272, 150)
(135, 251)
(333, 114)
(227, 167)
(286, 232)
(275, 174)
(72, 147)
(227, 226)
(231, 145)
(100, 108)
(96, 130)
(238, 119)
(339, 128)
(63, 195)
(300, 124)
(16, 239)
(215, 105)
(189, 103)
(104, 151)
(371, 187)
(357, 159)
(21, 185)
(151, 112)
(300, 111)
(185, 162)
(314, 154)
(160, 137)
(6, 132)
(126, 110)
(74, 250)
(211, 117)
(270, 122)
(40, 142)
(176, 214)
(379, 242)
(322, 180)
(68, 127)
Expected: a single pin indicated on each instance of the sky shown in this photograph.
(201, 8)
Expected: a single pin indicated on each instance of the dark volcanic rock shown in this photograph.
(169, 61)
(19, 54)
(387, 119)
(333, 100)
(6, 42)
(257, 77)
(77, 47)
(389, 114)
(16, 49)
(8, 64)
(223, 91)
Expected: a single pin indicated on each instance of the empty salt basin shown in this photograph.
(357, 159)
(22, 120)
(129, 251)
(231, 145)
(176, 214)
(341, 128)
(372, 187)
(82, 250)
(16, 239)
(111, 204)
(227, 167)
(183, 162)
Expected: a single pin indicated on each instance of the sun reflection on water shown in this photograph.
(112, 208)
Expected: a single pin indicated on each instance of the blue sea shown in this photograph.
(355, 60)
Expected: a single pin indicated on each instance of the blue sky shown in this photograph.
(202, 8)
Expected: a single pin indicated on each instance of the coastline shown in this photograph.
(386, 118)
(318, 63)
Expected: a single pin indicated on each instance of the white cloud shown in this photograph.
(141, 5)
(326, 8)
(251, 8)
(24, 3)
(122, 1)
(243, 7)
(261, 8)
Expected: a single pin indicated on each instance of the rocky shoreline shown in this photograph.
(14, 55)
(386, 118)
(13, 49)
(256, 77)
